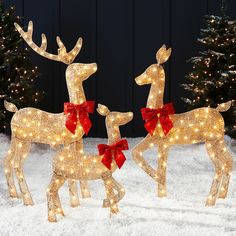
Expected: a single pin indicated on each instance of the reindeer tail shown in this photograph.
(224, 106)
(10, 106)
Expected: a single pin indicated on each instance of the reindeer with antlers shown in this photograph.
(66, 165)
(167, 129)
(33, 125)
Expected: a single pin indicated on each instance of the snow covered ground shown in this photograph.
(190, 174)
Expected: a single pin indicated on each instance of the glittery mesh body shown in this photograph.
(67, 164)
(43, 127)
(192, 126)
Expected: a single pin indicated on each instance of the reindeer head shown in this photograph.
(80, 72)
(155, 71)
(114, 118)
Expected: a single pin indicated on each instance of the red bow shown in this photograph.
(151, 118)
(78, 111)
(113, 150)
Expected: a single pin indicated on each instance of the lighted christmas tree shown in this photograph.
(213, 76)
(17, 73)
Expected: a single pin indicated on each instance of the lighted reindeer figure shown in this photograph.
(66, 165)
(33, 125)
(167, 129)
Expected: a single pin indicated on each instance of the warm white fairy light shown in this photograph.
(86, 167)
(199, 125)
(33, 125)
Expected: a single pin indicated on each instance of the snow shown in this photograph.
(189, 177)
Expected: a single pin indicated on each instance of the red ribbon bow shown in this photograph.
(113, 150)
(151, 118)
(78, 111)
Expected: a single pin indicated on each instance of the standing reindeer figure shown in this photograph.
(33, 125)
(199, 125)
(66, 165)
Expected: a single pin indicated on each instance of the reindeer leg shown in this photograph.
(106, 177)
(137, 154)
(211, 147)
(120, 192)
(8, 168)
(74, 199)
(22, 149)
(84, 188)
(54, 204)
(106, 202)
(119, 188)
(57, 205)
(162, 159)
(227, 168)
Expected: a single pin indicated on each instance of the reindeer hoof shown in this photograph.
(161, 194)
(29, 203)
(52, 217)
(114, 210)
(222, 195)
(75, 203)
(106, 203)
(210, 203)
(14, 195)
(87, 195)
(52, 220)
(60, 211)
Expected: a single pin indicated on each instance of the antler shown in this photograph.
(63, 55)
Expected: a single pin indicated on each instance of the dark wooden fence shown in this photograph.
(122, 36)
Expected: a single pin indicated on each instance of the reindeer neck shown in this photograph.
(155, 97)
(113, 133)
(76, 92)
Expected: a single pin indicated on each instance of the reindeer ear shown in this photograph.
(163, 55)
(103, 110)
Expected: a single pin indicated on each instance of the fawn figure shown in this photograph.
(33, 125)
(92, 167)
(167, 129)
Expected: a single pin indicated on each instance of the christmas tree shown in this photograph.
(17, 73)
(213, 77)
